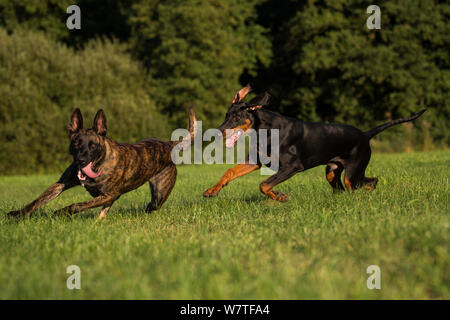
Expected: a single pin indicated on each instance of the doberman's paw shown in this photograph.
(370, 184)
(212, 192)
(280, 196)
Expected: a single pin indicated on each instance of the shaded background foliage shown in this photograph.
(43, 81)
(146, 61)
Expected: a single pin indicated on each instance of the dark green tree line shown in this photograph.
(42, 82)
(334, 68)
(196, 50)
(317, 58)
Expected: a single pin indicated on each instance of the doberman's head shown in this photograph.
(87, 146)
(240, 116)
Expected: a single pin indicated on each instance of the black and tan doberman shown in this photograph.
(302, 145)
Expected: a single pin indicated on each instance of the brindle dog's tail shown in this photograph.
(188, 139)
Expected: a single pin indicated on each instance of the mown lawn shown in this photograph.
(239, 245)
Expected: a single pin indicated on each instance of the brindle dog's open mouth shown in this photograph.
(87, 171)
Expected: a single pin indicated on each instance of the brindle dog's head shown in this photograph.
(240, 116)
(87, 146)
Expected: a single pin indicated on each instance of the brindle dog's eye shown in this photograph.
(91, 144)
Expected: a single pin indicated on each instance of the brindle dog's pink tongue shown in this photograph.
(89, 172)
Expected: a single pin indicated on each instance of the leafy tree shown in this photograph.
(99, 18)
(316, 56)
(43, 81)
(195, 51)
(48, 15)
(339, 70)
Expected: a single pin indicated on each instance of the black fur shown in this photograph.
(304, 145)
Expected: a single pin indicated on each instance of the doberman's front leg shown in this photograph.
(267, 185)
(68, 180)
(231, 174)
(104, 200)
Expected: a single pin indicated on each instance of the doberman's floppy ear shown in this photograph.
(76, 122)
(259, 101)
(241, 94)
(100, 123)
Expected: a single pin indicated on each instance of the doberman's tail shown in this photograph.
(377, 130)
(189, 138)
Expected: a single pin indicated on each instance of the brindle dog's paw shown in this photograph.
(16, 214)
(280, 196)
(151, 207)
(64, 212)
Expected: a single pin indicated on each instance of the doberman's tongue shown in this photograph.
(89, 172)
(231, 140)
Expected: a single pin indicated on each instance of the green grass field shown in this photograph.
(239, 245)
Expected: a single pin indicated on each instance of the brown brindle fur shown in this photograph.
(124, 167)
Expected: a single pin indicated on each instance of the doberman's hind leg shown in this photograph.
(333, 173)
(160, 186)
(267, 185)
(355, 168)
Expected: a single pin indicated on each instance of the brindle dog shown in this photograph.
(108, 169)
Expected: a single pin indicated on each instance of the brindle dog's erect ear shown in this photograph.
(76, 122)
(259, 101)
(100, 123)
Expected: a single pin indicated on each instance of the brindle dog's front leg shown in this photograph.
(68, 180)
(103, 200)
